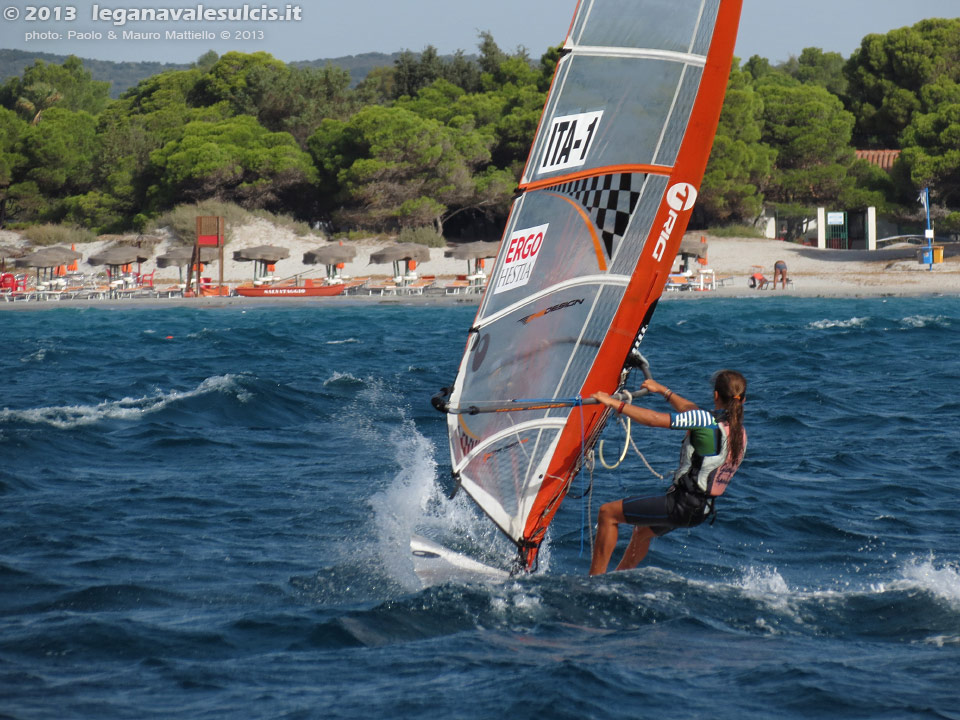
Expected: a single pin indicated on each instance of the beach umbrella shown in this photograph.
(182, 255)
(261, 255)
(331, 255)
(7, 251)
(476, 251)
(400, 251)
(46, 258)
(118, 256)
(689, 246)
(407, 252)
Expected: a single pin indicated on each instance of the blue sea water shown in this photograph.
(205, 515)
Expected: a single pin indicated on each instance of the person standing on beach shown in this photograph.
(712, 450)
(780, 271)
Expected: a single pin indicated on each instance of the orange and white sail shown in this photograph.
(606, 194)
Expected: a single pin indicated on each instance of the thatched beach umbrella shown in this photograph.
(118, 256)
(697, 248)
(398, 252)
(9, 252)
(331, 256)
(261, 255)
(692, 248)
(475, 251)
(47, 258)
(183, 255)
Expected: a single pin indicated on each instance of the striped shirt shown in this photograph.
(704, 462)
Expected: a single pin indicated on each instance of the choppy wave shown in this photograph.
(207, 526)
(65, 417)
(923, 321)
(342, 379)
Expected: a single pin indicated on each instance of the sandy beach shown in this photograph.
(814, 272)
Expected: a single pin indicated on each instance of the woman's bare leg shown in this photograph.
(637, 549)
(608, 522)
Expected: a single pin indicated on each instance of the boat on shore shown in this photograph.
(306, 290)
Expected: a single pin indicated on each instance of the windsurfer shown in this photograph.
(712, 450)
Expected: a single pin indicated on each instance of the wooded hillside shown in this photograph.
(440, 142)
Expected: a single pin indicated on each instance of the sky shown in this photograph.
(313, 29)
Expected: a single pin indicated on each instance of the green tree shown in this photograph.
(235, 160)
(163, 103)
(932, 142)
(463, 72)
(388, 167)
(60, 152)
(378, 87)
(412, 72)
(229, 80)
(491, 56)
(295, 100)
(44, 85)
(11, 159)
(815, 66)
(888, 74)
(740, 165)
(34, 99)
(811, 132)
(758, 67)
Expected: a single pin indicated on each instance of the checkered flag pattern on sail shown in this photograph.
(609, 200)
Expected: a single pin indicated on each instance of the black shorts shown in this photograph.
(663, 513)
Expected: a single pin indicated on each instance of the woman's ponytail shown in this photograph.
(731, 388)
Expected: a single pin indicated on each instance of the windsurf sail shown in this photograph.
(604, 199)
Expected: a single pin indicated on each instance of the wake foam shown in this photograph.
(65, 417)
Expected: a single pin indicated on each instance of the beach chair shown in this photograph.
(677, 282)
(382, 288)
(145, 280)
(455, 287)
(8, 282)
(706, 280)
(417, 287)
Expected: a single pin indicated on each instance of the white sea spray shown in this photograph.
(854, 322)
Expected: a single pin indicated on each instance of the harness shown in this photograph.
(691, 499)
